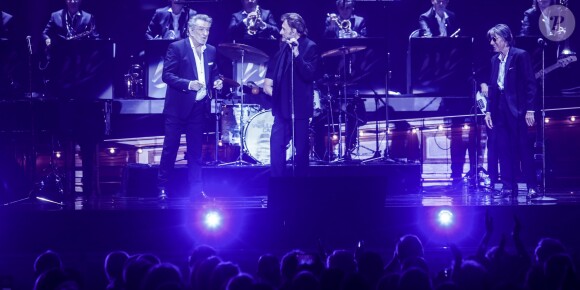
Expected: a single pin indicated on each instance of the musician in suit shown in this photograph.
(189, 70)
(346, 17)
(6, 26)
(531, 21)
(287, 83)
(511, 92)
(70, 23)
(438, 20)
(252, 21)
(170, 22)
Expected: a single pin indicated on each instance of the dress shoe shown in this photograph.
(503, 193)
(533, 193)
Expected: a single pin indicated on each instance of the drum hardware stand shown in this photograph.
(377, 153)
(217, 131)
(342, 158)
(240, 161)
(53, 178)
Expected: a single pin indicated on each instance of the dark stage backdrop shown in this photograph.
(125, 21)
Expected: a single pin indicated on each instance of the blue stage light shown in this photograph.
(445, 217)
(212, 220)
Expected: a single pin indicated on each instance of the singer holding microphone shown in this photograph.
(438, 21)
(511, 93)
(289, 80)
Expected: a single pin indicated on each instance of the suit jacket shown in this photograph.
(179, 69)
(358, 24)
(56, 28)
(530, 26)
(162, 23)
(519, 83)
(428, 23)
(237, 29)
(305, 73)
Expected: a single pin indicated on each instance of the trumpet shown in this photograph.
(344, 26)
(253, 20)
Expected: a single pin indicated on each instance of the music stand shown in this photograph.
(242, 53)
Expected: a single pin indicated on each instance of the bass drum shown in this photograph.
(230, 121)
(257, 137)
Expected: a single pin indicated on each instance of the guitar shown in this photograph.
(482, 102)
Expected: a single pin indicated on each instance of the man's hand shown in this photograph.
(218, 84)
(488, 121)
(268, 86)
(47, 41)
(530, 118)
(484, 89)
(196, 85)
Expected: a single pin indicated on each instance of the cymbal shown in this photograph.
(235, 51)
(229, 82)
(343, 50)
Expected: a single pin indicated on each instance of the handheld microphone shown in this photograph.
(293, 42)
(29, 44)
(542, 42)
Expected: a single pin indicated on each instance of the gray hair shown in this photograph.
(502, 31)
(202, 17)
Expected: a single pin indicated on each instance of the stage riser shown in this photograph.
(232, 181)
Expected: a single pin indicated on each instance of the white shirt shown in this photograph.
(200, 68)
(442, 25)
(176, 31)
(501, 72)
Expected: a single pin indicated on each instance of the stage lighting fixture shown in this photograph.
(57, 154)
(445, 217)
(212, 219)
(547, 120)
(414, 131)
(112, 150)
(440, 127)
(140, 150)
(572, 119)
(334, 137)
(466, 127)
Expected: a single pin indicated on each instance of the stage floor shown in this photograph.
(334, 207)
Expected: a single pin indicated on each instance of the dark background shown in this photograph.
(125, 22)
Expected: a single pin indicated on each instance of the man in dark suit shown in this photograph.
(531, 22)
(189, 67)
(70, 23)
(512, 91)
(438, 21)
(291, 85)
(170, 22)
(252, 22)
(334, 23)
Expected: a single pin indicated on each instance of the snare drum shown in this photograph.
(231, 121)
(257, 137)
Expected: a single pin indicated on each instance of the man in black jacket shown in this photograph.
(189, 69)
(170, 22)
(291, 86)
(357, 26)
(438, 21)
(252, 22)
(70, 23)
(512, 91)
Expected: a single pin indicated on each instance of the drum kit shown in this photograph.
(249, 126)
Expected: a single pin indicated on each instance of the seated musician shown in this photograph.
(252, 22)
(70, 23)
(438, 21)
(170, 22)
(346, 24)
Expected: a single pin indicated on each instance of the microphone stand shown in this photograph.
(543, 125)
(293, 112)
